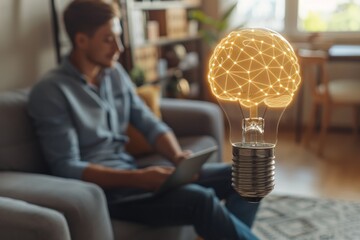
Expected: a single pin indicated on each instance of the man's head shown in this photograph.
(94, 29)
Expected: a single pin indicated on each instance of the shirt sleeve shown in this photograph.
(141, 117)
(55, 130)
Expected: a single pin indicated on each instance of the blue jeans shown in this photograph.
(196, 204)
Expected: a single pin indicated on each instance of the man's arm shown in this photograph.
(149, 178)
(158, 134)
(168, 146)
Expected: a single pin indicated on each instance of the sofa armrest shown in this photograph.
(22, 220)
(194, 118)
(83, 204)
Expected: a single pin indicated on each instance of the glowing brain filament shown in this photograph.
(254, 66)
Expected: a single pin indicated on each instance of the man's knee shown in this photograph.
(203, 199)
(199, 193)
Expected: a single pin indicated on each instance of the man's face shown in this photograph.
(104, 46)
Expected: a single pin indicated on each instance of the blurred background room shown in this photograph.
(169, 43)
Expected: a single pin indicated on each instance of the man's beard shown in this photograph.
(108, 62)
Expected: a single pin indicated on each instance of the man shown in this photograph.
(81, 110)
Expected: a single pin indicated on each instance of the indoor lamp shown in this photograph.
(254, 74)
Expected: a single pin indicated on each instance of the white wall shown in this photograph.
(26, 44)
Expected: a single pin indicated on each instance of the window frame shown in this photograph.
(291, 27)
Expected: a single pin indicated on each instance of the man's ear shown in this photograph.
(81, 40)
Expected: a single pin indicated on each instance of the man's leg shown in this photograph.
(188, 205)
(218, 177)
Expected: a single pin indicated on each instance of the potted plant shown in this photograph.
(137, 75)
(214, 28)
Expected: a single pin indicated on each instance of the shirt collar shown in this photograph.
(73, 71)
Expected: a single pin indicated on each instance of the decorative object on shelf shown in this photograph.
(193, 28)
(183, 88)
(147, 59)
(174, 54)
(162, 68)
(152, 30)
(254, 74)
(137, 76)
(190, 61)
(193, 2)
(172, 22)
(138, 28)
(177, 86)
(178, 57)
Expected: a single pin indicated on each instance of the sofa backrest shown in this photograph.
(19, 148)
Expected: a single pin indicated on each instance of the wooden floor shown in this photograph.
(300, 172)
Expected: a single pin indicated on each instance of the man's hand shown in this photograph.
(181, 156)
(153, 177)
(168, 146)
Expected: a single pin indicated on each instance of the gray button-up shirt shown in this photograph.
(78, 123)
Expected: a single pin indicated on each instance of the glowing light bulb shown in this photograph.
(254, 94)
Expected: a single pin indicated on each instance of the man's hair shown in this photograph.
(86, 16)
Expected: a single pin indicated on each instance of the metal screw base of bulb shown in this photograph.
(253, 171)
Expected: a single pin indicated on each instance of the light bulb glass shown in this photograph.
(254, 74)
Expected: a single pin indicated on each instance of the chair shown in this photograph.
(58, 206)
(326, 94)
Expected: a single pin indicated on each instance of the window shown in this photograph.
(260, 13)
(334, 19)
(332, 16)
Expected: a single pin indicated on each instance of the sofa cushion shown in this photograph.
(19, 149)
(22, 220)
(138, 145)
(82, 204)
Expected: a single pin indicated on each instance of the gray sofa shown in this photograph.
(35, 205)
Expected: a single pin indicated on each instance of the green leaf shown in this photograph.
(202, 17)
(217, 26)
(228, 13)
(223, 25)
(209, 36)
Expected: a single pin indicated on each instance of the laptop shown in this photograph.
(183, 174)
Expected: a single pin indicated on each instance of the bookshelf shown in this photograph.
(161, 40)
